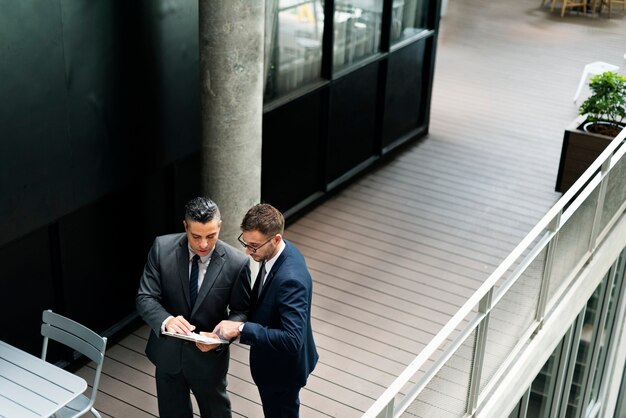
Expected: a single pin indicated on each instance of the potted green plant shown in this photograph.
(606, 107)
(601, 118)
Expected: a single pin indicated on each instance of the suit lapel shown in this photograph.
(275, 267)
(182, 261)
(212, 272)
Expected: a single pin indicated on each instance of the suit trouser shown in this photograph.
(280, 402)
(208, 387)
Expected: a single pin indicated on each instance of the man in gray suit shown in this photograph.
(221, 289)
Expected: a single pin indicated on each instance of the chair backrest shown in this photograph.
(77, 336)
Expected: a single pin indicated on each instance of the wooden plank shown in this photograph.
(445, 222)
(334, 310)
(385, 298)
(412, 233)
(109, 406)
(125, 394)
(344, 255)
(402, 284)
(390, 248)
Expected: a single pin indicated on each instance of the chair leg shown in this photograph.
(595, 5)
(580, 86)
(552, 5)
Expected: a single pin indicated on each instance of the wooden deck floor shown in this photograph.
(397, 253)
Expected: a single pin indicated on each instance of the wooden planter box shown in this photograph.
(579, 150)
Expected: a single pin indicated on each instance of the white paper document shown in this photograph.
(197, 338)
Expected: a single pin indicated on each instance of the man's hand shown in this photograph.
(228, 329)
(179, 325)
(207, 347)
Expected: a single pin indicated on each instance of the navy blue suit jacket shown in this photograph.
(278, 330)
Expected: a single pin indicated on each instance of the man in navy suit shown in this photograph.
(278, 328)
(165, 300)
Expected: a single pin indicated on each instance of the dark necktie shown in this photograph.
(193, 280)
(259, 279)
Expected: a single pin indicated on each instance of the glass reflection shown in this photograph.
(542, 388)
(408, 17)
(517, 411)
(357, 31)
(583, 355)
(607, 329)
(293, 45)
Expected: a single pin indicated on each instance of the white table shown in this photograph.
(31, 387)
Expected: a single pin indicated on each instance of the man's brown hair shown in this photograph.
(264, 218)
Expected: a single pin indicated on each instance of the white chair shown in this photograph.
(86, 342)
(593, 68)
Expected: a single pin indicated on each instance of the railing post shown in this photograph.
(553, 228)
(597, 217)
(387, 412)
(484, 307)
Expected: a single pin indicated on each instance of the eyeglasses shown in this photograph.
(252, 248)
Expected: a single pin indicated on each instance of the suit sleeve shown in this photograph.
(292, 304)
(149, 295)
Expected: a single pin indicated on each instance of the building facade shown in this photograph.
(100, 128)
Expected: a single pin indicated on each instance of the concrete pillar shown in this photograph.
(231, 76)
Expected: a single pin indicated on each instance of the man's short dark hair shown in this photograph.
(201, 209)
(264, 218)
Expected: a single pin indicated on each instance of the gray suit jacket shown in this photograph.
(164, 291)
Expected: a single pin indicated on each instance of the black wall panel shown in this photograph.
(35, 151)
(405, 92)
(292, 166)
(27, 288)
(60, 110)
(352, 120)
(92, 67)
(99, 132)
(103, 248)
(170, 47)
(93, 258)
(186, 185)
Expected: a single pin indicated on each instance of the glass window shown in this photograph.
(357, 31)
(607, 329)
(293, 45)
(620, 409)
(584, 353)
(408, 17)
(516, 412)
(543, 387)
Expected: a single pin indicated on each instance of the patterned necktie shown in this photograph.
(193, 280)
(260, 278)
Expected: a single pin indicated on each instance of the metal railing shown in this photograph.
(477, 344)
